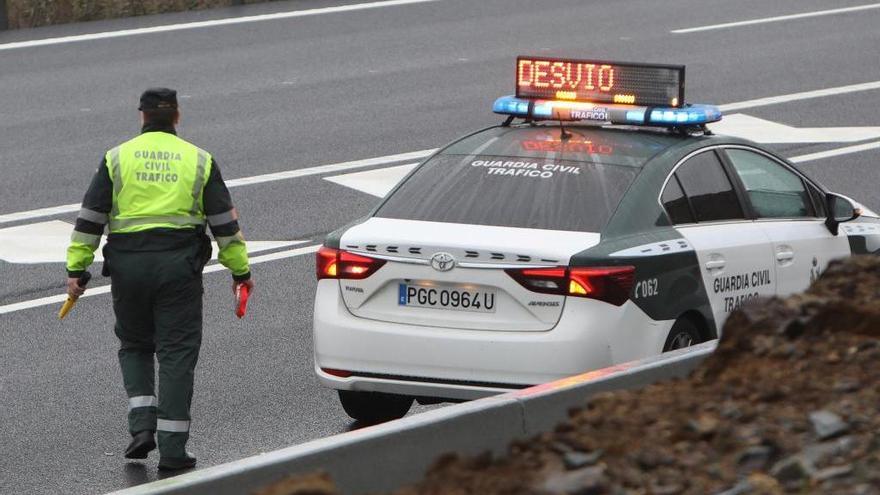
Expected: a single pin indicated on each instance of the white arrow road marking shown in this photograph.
(47, 242)
(768, 132)
(377, 182)
(104, 289)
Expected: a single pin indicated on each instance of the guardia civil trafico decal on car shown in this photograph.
(601, 222)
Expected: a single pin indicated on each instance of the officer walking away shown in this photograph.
(156, 192)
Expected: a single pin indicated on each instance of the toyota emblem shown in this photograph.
(442, 262)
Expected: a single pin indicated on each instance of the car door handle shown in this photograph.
(715, 264)
(785, 255)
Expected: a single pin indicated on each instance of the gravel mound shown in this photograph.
(787, 404)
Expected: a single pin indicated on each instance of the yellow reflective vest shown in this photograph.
(158, 182)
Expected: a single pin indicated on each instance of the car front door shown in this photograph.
(791, 212)
(735, 254)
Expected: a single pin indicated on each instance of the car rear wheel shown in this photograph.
(374, 407)
(684, 333)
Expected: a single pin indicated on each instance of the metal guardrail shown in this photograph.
(387, 456)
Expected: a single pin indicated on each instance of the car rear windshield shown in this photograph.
(532, 193)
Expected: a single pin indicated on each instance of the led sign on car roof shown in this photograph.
(603, 92)
(600, 82)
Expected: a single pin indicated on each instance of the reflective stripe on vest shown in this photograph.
(93, 216)
(223, 218)
(116, 174)
(199, 184)
(87, 239)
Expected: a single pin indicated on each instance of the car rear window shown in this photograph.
(504, 191)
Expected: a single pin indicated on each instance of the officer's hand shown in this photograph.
(73, 288)
(249, 283)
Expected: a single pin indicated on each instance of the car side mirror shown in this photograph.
(839, 209)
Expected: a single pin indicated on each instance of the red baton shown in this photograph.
(241, 299)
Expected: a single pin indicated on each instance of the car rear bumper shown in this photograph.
(460, 364)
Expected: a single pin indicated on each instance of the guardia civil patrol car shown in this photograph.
(602, 222)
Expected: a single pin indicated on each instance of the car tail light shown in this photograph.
(335, 263)
(544, 280)
(611, 284)
(335, 372)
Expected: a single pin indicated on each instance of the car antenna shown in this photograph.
(563, 135)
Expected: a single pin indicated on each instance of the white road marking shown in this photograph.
(415, 155)
(378, 182)
(46, 242)
(244, 181)
(780, 18)
(836, 152)
(203, 24)
(325, 169)
(104, 289)
(769, 132)
(806, 95)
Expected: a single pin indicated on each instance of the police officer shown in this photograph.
(156, 192)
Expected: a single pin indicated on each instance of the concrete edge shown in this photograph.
(403, 450)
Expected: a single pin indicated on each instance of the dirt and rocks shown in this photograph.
(33, 13)
(787, 404)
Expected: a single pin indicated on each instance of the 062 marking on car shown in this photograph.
(646, 288)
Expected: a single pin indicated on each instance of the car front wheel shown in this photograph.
(684, 333)
(374, 407)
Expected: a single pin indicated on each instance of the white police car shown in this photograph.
(531, 251)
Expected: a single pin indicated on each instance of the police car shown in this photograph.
(601, 222)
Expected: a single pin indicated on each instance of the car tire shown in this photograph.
(374, 407)
(684, 333)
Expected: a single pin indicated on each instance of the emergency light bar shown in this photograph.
(602, 92)
(608, 114)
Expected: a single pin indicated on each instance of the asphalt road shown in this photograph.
(288, 94)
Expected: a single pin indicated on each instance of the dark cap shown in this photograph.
(158, 99)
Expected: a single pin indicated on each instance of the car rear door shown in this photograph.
(734, 253)
(791, 212)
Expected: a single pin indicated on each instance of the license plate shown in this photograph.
(446, 297)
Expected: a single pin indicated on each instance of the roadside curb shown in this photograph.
(386, 456)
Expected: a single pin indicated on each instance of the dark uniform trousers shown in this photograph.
(157, 299)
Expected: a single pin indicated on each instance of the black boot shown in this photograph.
(177, 463)
(141, 445)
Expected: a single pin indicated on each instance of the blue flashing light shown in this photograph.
(616, 113)
(635, 116)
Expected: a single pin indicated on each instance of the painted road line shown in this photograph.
(772, 100)
(836, 152)
(806, 95)
(46, 242)
(780, 18)
(325, 169)
(204, 24)
(104, 289)
(244, 181)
